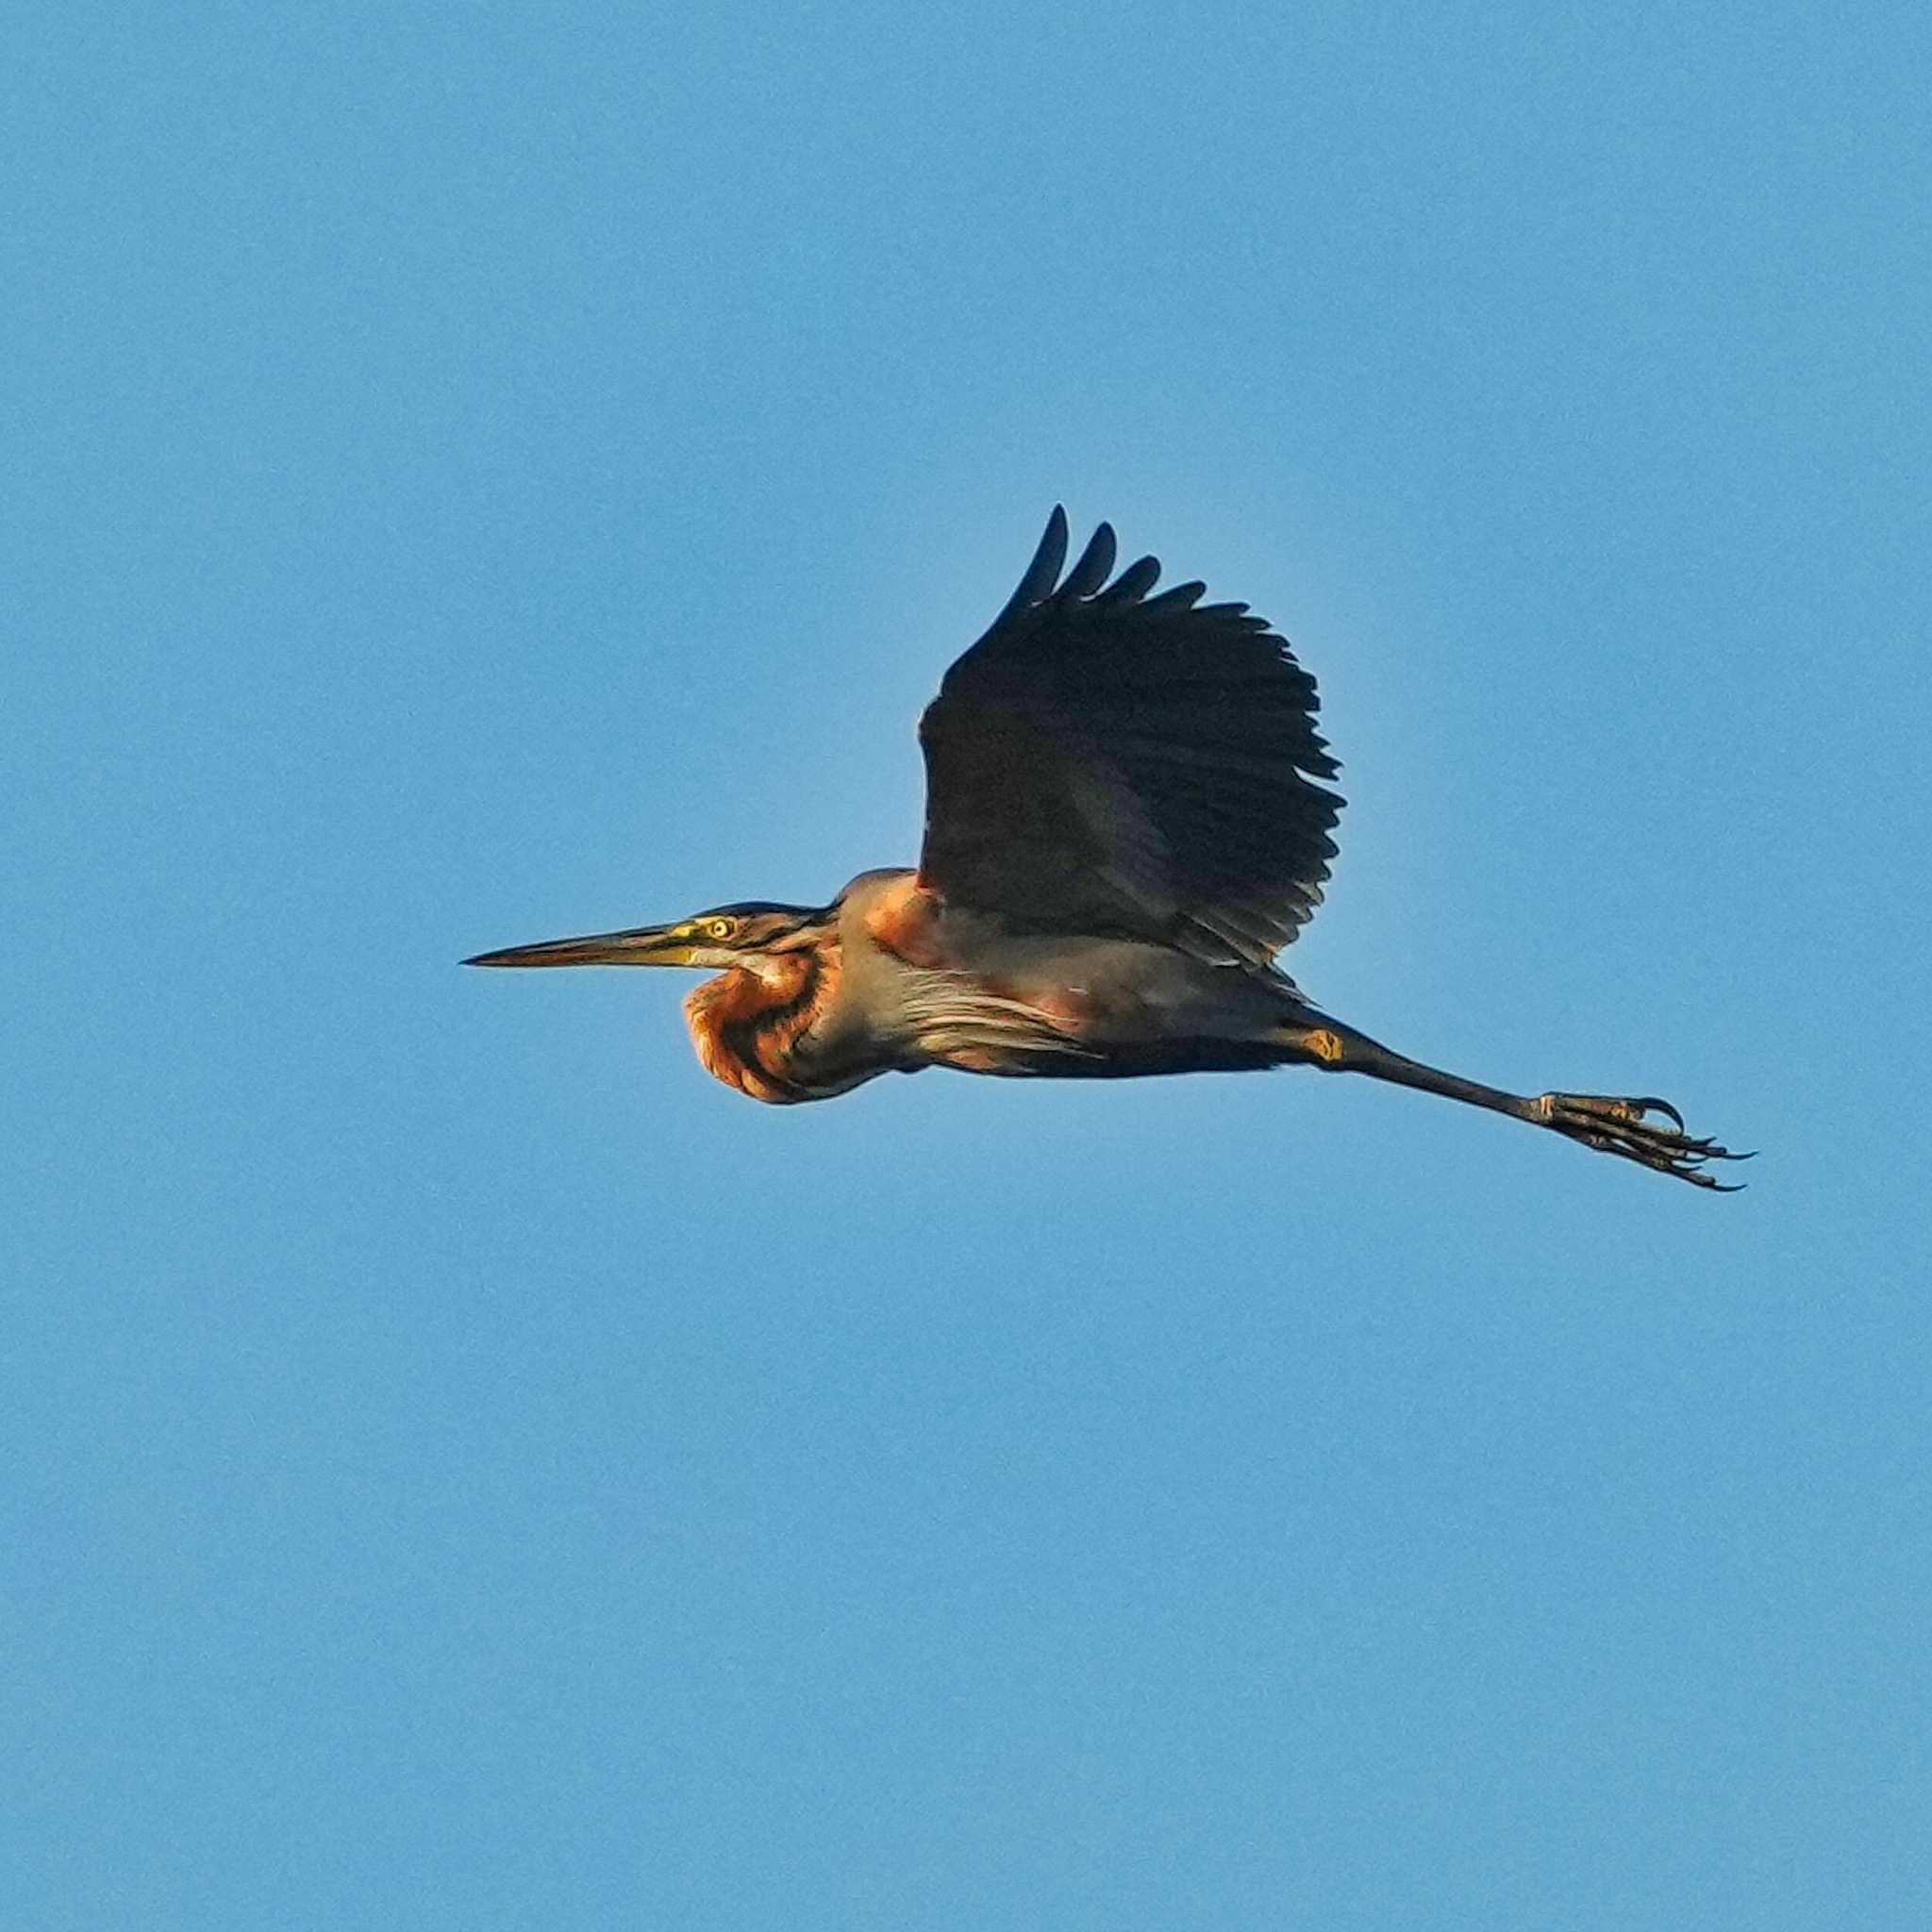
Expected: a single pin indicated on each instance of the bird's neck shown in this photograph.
(747, 1023)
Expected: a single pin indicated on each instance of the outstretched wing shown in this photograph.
(1104, 762)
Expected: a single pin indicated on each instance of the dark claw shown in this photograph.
(1620, 1126)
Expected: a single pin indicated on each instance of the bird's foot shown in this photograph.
(1624, 1126)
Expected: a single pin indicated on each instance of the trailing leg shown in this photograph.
(1613, 1126)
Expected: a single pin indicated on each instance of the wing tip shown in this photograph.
(1090, 575)
(1036, 583)
(1087, 582)
(1042, 582)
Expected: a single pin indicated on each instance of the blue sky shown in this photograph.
(476, 473)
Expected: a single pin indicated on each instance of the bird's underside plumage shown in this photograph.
(1123, 826)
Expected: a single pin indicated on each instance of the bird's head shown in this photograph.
(727, 935)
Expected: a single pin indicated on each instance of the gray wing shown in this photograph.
(1104, 762)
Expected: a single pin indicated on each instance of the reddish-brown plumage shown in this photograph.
(746, 1023)
(904, 921)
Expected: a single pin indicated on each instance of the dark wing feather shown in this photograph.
(1102, 761)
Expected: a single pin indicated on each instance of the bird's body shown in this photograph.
(889, 978)
(1124, 825)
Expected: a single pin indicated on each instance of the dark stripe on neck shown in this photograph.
(744, 1037)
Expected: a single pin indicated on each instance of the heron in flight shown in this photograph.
(1124, 825)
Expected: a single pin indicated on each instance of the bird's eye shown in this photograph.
(720, 928)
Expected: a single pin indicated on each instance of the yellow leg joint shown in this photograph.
(1324, 1045)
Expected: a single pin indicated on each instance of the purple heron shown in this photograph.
(1124, 825)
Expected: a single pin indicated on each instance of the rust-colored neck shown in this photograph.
(747, 1023)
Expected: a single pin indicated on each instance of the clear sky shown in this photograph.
(474, 473)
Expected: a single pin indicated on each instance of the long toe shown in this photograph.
(1626, 1127)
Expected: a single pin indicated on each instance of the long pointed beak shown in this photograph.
(644, 946)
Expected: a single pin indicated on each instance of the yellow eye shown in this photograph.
(719, 928)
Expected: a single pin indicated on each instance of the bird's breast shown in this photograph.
(749, 1025)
